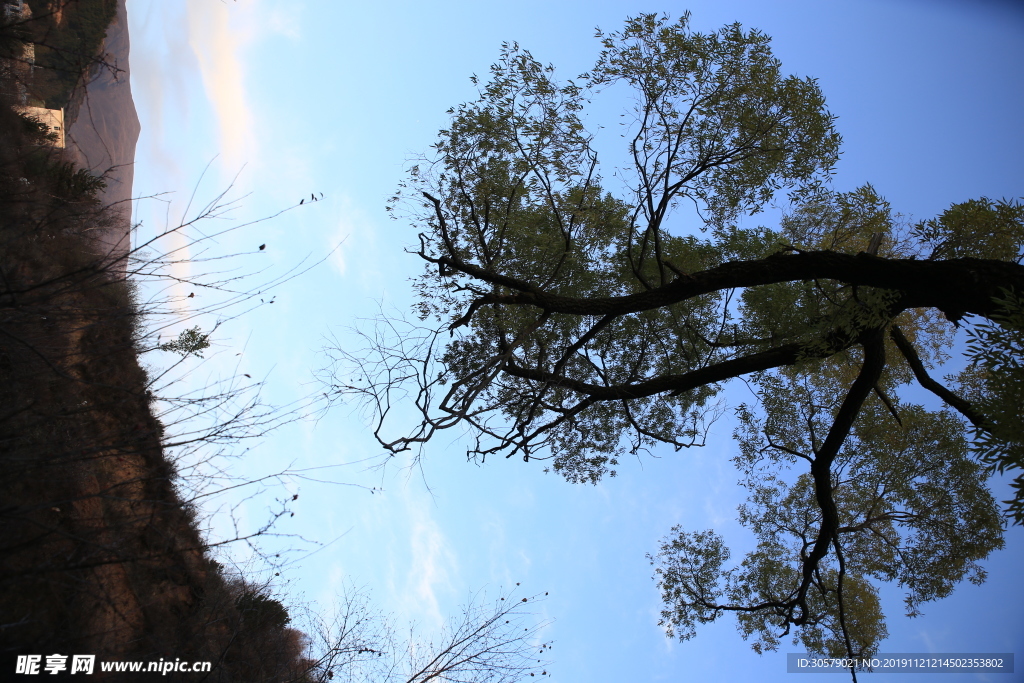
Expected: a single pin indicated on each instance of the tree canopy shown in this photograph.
(572, 315)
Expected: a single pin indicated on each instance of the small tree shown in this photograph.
(191, 341)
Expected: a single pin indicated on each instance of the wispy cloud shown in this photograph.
(160, 87)
(432, 560)
(286, 20)
(351, 227)
(217, 43)
(180, 270)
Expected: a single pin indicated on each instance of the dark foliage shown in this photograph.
(68, 35)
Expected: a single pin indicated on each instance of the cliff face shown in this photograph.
(98, 552)
(105, 130)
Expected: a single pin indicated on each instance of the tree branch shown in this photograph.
(926, 381)
(821, 468)
(956, 286)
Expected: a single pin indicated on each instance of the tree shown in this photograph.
(573, 317)
(488, 643)
(189, 341)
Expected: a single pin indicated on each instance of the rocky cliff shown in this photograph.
(99, 553)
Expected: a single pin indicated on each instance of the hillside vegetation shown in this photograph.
(98, 552)
(68, 37)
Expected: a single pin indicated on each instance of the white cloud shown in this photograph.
(161, 77)
(432, 562)
(217, 42)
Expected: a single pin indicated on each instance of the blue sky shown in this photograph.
(316, 96)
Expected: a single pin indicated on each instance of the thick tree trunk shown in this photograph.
(956, 287)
